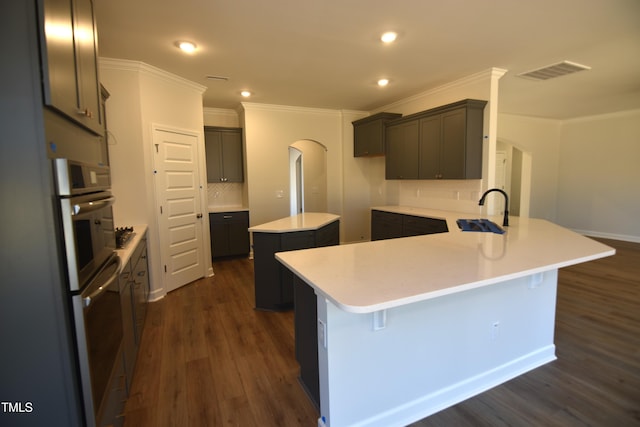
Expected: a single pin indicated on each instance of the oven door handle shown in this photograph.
(87, 207)
(86, 301)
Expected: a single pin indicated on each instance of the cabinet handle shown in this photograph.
(86, 112)
(199, 215)
(227, 216)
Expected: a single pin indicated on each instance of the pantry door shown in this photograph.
(178, 193)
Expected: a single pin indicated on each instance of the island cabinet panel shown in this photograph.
(441, 143)
(369, 134)
(273, 281)
(70, 64)
(389, 225)
(229, 233)
(306, 336)
(223, 150)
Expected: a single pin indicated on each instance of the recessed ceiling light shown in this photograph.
(187, 47)
(245, 93)
(383, 82)
(389, 37)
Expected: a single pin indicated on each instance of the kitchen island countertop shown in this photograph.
(301, 222)
(371, 276)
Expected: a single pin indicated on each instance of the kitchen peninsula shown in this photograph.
(410, 326)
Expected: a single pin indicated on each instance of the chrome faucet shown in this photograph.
(505, 221)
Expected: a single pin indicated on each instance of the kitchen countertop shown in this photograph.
(301, 222)
(371, 276)
(127, 251)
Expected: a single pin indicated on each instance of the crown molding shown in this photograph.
(150, 70)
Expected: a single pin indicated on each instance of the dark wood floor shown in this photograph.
(208, 358)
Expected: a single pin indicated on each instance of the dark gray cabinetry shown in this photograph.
(441, 143)
(369, 134)
(223, 148)
(134, 294)
(129, 336)
(70, 67)
(273, 281)
(140, 287)
(229, 233)
(403, 149)
(306, 336)
(389, 225)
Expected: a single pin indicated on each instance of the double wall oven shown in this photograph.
(86, 216)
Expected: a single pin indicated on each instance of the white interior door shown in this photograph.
(180, 219)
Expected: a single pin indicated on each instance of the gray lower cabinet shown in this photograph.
(129, 337)
(389, 225)
(441, 143)
(229, 233)
(273, 281)
(134, 294)
(140, 288)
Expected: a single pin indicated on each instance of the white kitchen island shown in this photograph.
(410, 326)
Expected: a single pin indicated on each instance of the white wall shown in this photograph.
(599, 176)
(269, 130)
(142, 96)
(541, 138)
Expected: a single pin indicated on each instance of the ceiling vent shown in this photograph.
(555, 70)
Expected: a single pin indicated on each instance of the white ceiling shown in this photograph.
(327, 53)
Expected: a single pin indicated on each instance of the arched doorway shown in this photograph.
(308, 176)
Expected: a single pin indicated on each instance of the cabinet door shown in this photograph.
(70, 65)
(140, 291)
(419, 226)
(385, 225)
(232, 170)
(238, 238)
(368, 139)
(87, 65)
(452, 159)
(223, 151)
(213, 154)
(129, 336)
(402, 150)
(430, 147)
(329, 235)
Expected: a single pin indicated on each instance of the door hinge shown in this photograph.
(165, 268)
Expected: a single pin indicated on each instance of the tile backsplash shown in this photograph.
(224, 194)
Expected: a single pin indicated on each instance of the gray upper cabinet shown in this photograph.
(441, 143)
(369, 134)
(223, 148)
(70, 67)
(403, 148)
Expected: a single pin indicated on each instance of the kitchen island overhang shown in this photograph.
(408, 327)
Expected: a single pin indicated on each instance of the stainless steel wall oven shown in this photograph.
(87, 227)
